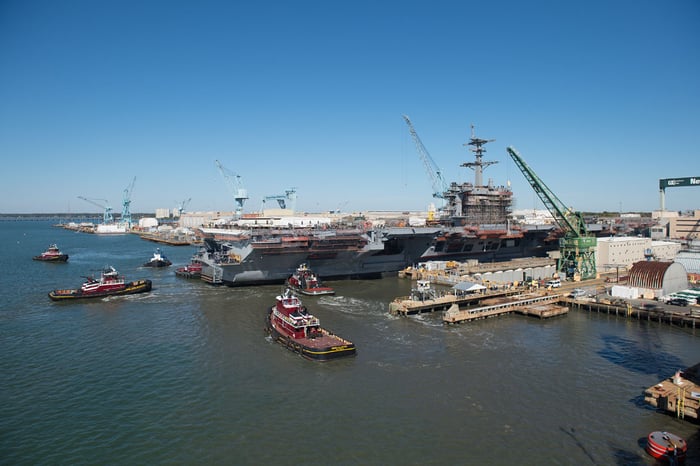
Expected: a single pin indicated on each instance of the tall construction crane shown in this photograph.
(181, 207)
(240, 195)
(289, 195)
(107, 216)
(438, 182)
(126, 203)
(577, 247)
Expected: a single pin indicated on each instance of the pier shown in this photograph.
(460, 308)
(542, 306)
(171, 240)
(682, 318)
(679, 395)
(432, 303)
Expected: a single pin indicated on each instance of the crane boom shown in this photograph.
(289, 195)
(126, 203)
(577, 247)
(240, 195)
(438, 182)
(182, 206)
(107, 216)
(569, 221)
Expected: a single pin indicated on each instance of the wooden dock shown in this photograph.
(407, 305)
(679, 395)
(542, 306)
(482, 305)
(504, 301)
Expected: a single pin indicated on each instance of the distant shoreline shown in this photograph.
(64, 217)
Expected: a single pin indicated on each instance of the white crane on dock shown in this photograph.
(233, 180)
(107, 216)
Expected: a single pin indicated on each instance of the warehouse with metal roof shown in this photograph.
(659, 278)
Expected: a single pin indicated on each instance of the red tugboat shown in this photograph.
(307, 282)
(109, 284)
(52, 254)
(290, 324)
(667, 447)
(191, 270)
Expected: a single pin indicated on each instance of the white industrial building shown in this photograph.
(665, 250)
(623, 251)
(517, 275)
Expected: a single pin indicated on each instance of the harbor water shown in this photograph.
(185, 374)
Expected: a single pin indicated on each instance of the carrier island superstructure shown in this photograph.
(476, 217)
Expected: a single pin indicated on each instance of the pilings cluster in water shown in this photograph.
(679, 395)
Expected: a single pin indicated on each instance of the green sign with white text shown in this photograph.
(673, 182)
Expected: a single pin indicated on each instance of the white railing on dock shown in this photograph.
(453, 315)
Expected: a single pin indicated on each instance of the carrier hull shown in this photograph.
(369, 254)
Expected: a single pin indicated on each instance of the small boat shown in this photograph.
(305, 281)
(191, 270)
(158, 260)
(290, 324)
(52, 254)
(666, 446)
(109, 284)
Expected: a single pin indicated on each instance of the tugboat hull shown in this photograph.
(58, 258)
(324, 348)
(189, 272)
(139, 286)
(160, 263)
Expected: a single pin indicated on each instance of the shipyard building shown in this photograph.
(673, 225)
(623, 251)
(652, 280)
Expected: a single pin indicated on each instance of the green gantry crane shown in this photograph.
(578, 246)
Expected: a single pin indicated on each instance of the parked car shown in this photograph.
(677, 302)
(577, 293)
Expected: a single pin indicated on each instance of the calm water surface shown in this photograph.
(186, 375)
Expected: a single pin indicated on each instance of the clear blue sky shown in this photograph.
(601, 98)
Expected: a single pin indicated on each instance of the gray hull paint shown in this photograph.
(388, 252)
(532, 244)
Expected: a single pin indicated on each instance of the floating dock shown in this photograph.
(679, 395)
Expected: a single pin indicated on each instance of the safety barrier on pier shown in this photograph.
(541, 306)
